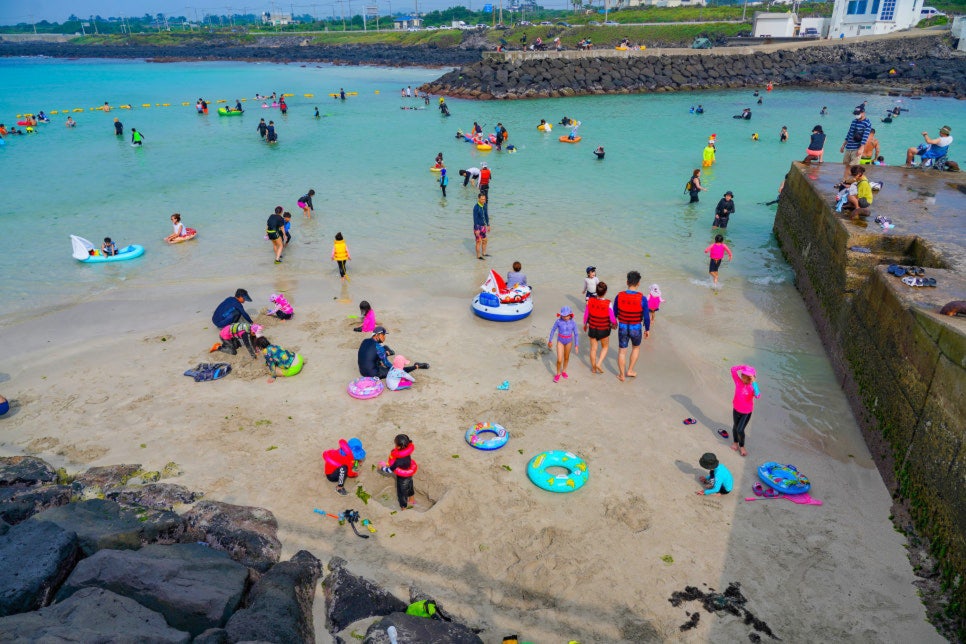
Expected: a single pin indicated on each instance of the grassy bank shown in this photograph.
(650, 35)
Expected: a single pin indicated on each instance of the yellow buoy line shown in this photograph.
(101, 108)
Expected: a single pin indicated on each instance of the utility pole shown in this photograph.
(501, 12)
(34, 23)
(342, 9)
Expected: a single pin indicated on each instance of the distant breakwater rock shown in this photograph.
(275, 50)
(114, 554)
(922, 65)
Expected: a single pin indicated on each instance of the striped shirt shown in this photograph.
(858, 134)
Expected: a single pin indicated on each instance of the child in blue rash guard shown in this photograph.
(566, 330)
(719, 479)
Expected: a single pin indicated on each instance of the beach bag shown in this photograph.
(424, 608)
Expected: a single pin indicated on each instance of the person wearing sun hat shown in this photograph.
(719, 479)
(566, 330)
(855, 140)
(932, 148)
(341, 462)
(743, 403)
(374, 356)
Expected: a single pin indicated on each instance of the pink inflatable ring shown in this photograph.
(365, 388)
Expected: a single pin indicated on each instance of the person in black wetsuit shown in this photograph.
(270, 135)
(262, 128)
(238, 107)
(275, 229)
(723, 211)
(118, 127)
(373, 357)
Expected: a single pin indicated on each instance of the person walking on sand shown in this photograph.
(630, 309)
(481, 225)
(340, 255)
(566, 330)
(590, 283)
(717, 251)
(305, 203)
(401, 463)
(598, 321)
(719, 479)
(743, 404)
(654, 301)
(275, 229)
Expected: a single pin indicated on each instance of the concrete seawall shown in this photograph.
(884, 62)
(901, 363)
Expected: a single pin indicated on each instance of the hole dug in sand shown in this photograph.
(386, 497)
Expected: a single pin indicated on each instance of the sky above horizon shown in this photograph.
(16, 11)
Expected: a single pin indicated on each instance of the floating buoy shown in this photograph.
(289, 95)
(125, 107)
(145, 105)
(377, 91)
(221, 100)
(162, 104)
(185, 103)
(54, 112)
(309, 95)
(77, 109)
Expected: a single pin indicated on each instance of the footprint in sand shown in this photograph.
(40, 445)
(630, 510)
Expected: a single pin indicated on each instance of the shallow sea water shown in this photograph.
(554, 207)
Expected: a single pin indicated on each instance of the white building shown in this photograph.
(276, 19)
(774, 25)
(869, 17)
(408, 22)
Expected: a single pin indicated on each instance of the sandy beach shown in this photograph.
(100, 383)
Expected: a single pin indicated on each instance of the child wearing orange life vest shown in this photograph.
(402, 464)
(340, 253)
(340, 463)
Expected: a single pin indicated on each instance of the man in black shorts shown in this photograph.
(723, 211)
(275, 229)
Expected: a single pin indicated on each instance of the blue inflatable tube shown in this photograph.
(487, 436)
(576, 468)
(128, 252)
(784, 478)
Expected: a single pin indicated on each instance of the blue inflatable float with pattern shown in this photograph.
(784, 478)
(574, 479)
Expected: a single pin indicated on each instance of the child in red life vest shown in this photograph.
(341, 463)
(402, 464)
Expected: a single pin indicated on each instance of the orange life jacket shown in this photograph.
(629, 307)
(598, 317)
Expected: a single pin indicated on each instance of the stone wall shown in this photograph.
(937, 70)
(902, 364)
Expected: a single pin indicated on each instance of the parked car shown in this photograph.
(930, 12)
(701, 43)
(593, 23)
(809, 32)
(482, 26)
(611, 23)
(562, 23)
(546, 23)
(524, 23)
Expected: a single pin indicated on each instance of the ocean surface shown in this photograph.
(554, 206)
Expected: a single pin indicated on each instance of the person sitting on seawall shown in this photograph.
(599, 152)
(108, 248)
(341, 463)
(231, 310)
(373, 356)
(281, 362)
(859, 195)
(932, 148)
(816, 146)
(179, 229)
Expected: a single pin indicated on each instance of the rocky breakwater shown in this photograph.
(115, 555)
(922, 64)
(280, 49)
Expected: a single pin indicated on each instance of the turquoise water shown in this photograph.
(368, 162)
